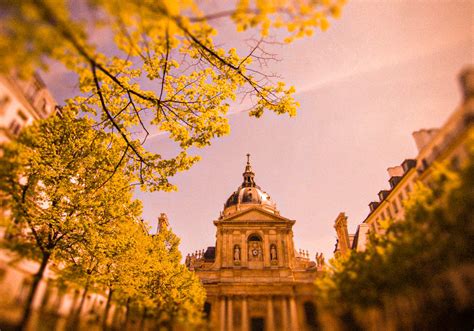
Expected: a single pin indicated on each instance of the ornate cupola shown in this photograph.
(248, 175)
(248, 195)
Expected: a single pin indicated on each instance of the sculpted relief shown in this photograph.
(273, 253)
(236, 254)
(255, 251)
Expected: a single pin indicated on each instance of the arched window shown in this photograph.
(255, 249)
(254, 237)
(310, 315)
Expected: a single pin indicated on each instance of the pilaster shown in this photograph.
(293, 314)
(222, 314)
(284, 314)
(245, 316)
(266, 250)
(230, 313)
(270, 317)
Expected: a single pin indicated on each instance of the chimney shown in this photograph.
(396, 171)
(163, 222)
(423, 137)
(466, 79)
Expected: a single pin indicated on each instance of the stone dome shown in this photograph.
(248, 195)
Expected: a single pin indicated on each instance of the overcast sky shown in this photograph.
(384, 70)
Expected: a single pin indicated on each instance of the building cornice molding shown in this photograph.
(277, 218)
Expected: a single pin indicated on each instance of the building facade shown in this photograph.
(446, 144)
(253, 276)
(21, 103)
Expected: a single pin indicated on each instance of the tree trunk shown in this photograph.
(127, 314)
(34, 287)
(77, 315)
(107, 308)
(142, 321)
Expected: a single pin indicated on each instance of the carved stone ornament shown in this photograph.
(255, 251)
(236, 254)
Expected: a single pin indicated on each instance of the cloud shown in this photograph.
(382, 64)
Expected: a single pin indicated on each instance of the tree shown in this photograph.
(161, 286)
(419, 273)
(126, 263)
(177, 294)
(139, 271)
(89, 264)
(164, 68)
(63, 186)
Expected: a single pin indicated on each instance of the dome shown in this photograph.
(248, 195)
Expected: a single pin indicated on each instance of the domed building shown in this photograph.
(254, 277)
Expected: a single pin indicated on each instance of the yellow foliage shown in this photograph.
(165, 71)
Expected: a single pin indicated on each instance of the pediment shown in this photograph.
(255, 214)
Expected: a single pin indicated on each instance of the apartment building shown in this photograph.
(21, 103)
(444, 144)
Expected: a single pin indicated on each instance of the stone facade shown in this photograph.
(21, 103)
(447, 144)
(254, 277)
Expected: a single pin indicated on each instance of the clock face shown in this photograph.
(255, 252)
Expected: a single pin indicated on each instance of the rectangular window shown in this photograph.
(372, 226)
(389, 213)
(4, 101)
(22, 115)
(401, 198)
(395, 206)
(382, 215)
(15, 127)
(33, 90)
(407, 189)
(44, 107)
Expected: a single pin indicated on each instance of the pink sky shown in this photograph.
(384, 70)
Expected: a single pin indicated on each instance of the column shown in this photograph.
(219, 248)
(244, 250)
(266, 249)
(290, 248)
(224, 252)
(230, 312)
(270, 318)
(229, 260)
(284, 314)
(293, 314)
(280, 250)
(245, 317)
(222, 314)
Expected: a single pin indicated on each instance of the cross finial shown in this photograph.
(248, 158)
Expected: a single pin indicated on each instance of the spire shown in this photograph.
(248, 175)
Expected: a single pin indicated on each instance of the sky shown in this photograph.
(382, 71)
